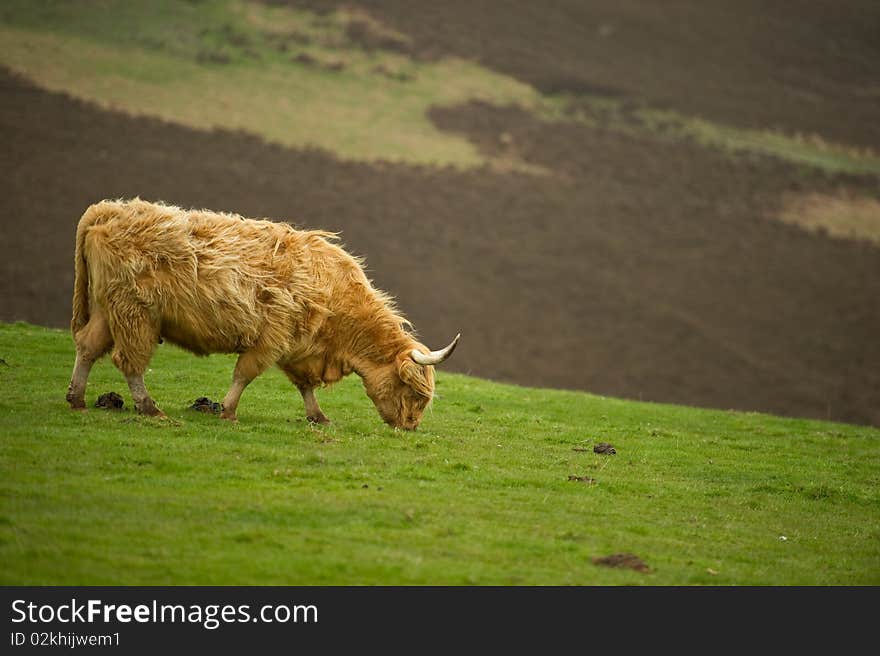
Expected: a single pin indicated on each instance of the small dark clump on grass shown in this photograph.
(604, 447)
(627, 560)
(110, 401)
(204, 404)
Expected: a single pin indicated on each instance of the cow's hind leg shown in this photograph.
(92, 341)
(142, 399)
(131, 354)
(250, 365)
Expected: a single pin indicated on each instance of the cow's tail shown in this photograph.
(80, 315)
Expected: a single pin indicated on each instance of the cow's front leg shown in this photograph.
(313, 410)
(250, 365)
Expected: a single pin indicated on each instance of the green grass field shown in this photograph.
(478, 495)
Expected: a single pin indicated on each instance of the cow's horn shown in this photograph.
(434, 357)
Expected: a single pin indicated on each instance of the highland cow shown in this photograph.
(219, 283)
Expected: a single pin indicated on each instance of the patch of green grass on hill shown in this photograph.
(478, 495)
(806, 150)
(295, 78)
(340, 80)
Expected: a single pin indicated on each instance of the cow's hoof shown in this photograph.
(318, 419)
(228, 416)
(75, 403)
(149, 409)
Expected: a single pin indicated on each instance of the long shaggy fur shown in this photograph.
(214, 282)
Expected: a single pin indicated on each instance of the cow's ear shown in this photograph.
(414, 375)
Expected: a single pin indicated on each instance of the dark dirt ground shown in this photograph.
(810, 67)
(627, 560)
(640, 269)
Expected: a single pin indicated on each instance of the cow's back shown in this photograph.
(213, 282)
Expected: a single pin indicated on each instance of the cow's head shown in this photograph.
(402, 389)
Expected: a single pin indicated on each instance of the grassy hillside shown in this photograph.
(479, 495)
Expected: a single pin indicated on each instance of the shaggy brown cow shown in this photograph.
(220, 283)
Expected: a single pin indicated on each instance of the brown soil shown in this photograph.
(813, 68)
(628, 560)
(638, 268)
(604, 447)
(582, 479)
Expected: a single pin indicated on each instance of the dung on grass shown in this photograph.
(110, 401)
